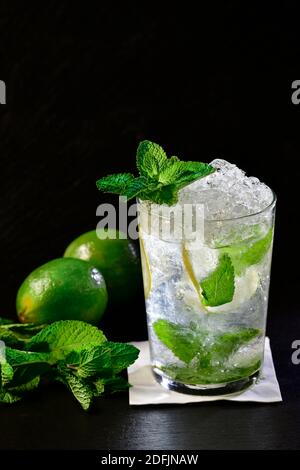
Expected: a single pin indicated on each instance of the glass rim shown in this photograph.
(252, 214)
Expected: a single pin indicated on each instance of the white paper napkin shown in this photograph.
(146, 391)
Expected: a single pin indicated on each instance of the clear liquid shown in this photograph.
(192, 343)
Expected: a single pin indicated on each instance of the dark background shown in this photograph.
(86, 83)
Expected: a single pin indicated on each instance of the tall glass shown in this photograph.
(206, 298)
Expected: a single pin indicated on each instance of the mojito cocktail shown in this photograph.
(206, 234)
(207, 298)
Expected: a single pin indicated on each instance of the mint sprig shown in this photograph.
(211, 375)
(71, 352)
(205, 355)
(189, 342)
(160, 178)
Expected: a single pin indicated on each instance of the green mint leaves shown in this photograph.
(249, 253)
(65, 336)
(182, 341)
(218, 286)
(205, 357)
(211, 375)
(188, 342)
(6, 369)
(17, 334)
(87, 362)
(116, 184)
(160, 178)
(72, 352)
(151, 159)
(81, 389)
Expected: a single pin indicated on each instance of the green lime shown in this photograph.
(63, 289)
(115, 257)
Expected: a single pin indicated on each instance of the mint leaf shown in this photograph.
(7, 397)
(18, 358)
(116, 184)
(171, 171)
(115, 384)
(26, 329)
(218, 287)
(27, 373)
(175, 176)
(150, 159)
(164, 195)
(122, 355)
(249, 253)
(7, 374)
(182, 173)
(9, 338)
(193, 171)
(98, 387)
(187, 342)
(227, 343)
(25, 387)
(6, 370)
(5, 321)
(62, 337)
(110, 385)
(209, 353)
(81, 389)
(135, 187)
(27, 365)
(109, 357)
(15, 334)
(211, 375)
(182, 341)
(88, 362)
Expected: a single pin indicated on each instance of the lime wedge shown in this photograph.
(147, 278)
(190, 272)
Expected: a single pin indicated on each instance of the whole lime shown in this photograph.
(116, 257)
(62, 289)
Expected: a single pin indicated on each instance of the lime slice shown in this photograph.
(147, 278)
(190, 271)
(245, 285)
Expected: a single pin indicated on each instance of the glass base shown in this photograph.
(208, 390)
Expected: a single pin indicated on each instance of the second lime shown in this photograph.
(114, 256)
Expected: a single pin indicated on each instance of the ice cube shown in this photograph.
(227, 193)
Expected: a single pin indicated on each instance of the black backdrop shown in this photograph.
(86, 83)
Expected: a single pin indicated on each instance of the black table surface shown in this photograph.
(51, 419)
